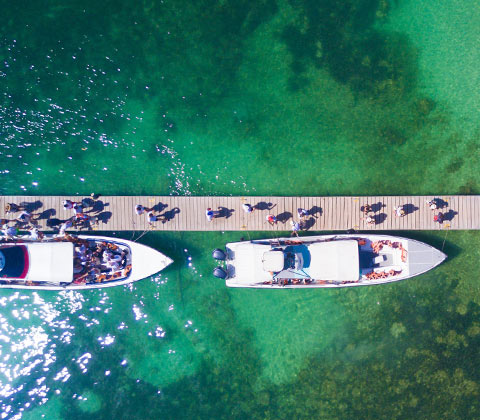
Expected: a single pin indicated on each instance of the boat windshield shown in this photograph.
(14, 262)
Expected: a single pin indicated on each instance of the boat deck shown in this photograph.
(187, 213)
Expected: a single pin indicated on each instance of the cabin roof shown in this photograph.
(51, 262)
(335, 260)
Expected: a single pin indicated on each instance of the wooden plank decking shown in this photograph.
(116, 213)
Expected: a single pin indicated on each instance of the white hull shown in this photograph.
(352, 260)
(143, 260)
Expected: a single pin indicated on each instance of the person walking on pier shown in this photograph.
(399, 211)
(295, 227)
(153, 217)
(139, 209)
(438, 217)
(432, 204)
(302, 213)
(210, 214)
(247, 208)
(367, 208)
(68, 204)
(24, 217)
(77, 209)
(13, 208)
(271, 219)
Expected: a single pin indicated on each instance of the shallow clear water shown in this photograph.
(262, 98)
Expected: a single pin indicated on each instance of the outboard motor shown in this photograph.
(219, 255)
(220, 273)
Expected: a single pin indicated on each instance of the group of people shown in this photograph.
(80, 218)
(24, 221)
(302, 215)
(369, 215)
(102, 261)
(399, 211)
(373, 275)
(377, 246)
(433, 205)
(272, 219)
(150, 213)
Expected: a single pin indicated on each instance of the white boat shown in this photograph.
(76, 262)
(324, 261)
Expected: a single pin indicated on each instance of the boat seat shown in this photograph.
(379, 259)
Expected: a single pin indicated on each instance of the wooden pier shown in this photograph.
(116, 213)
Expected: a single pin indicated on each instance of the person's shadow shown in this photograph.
(263, 205)
(449, 215)
(315, 210)
(409, 208)
(104, 217)
(46, 214)
(441, 204)
(283, 217)
(170, 214)
(87, 202)
(54, 223)
(377, 207)
(307, 224)
(31, 207)
(23, 225)
(379, 218)
(224, 212)
(159, 207)
(96, 206)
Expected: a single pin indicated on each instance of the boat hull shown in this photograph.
(402, 258)
(145, 262)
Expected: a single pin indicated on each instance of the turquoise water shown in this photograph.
(262, 98)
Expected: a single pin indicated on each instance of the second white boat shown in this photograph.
(325, 261)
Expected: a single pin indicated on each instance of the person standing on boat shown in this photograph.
(35, 234)
(63, 228)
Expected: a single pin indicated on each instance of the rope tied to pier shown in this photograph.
(444, 239)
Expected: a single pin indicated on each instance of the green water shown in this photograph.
(355, 97)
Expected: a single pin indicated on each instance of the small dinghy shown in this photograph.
(324, 261)
(76, 262)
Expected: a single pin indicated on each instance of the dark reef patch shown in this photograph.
(339, 36)
(392, 136)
